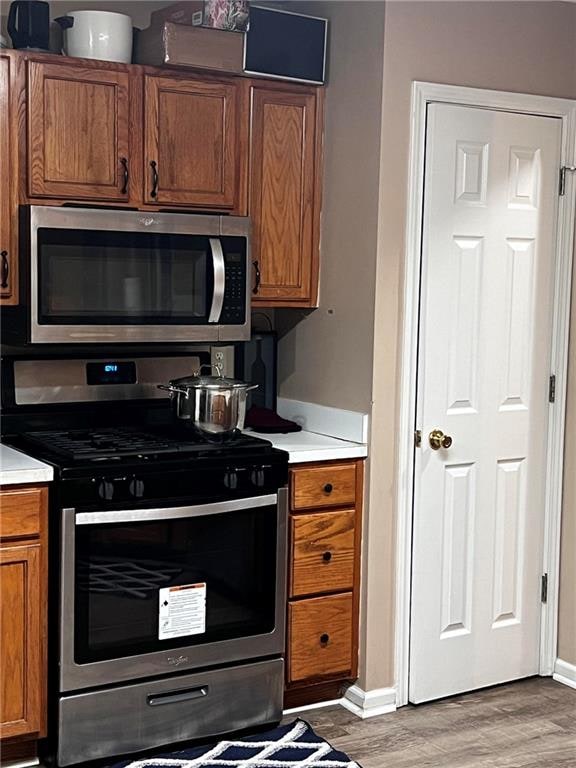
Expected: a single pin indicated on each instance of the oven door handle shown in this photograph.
(219, 279)
(172, 513)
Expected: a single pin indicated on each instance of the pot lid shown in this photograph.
(209, 382)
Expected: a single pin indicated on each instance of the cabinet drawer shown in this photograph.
(20, 512)
(320, 637)
(322, 555)
(330, 486)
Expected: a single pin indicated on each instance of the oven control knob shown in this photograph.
(136, 488)
(257, 478)
(231, 480)
(106, 490)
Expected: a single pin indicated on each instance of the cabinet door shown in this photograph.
(192, 140)
(8, 187)
(78, 131)
(283, 195)
(21, 638)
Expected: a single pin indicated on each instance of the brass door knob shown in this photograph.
(438, 440)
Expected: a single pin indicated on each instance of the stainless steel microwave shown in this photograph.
(108, 277)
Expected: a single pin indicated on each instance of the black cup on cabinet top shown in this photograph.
(29, 24)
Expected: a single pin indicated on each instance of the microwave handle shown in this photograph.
(219, 280)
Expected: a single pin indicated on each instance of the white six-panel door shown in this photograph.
(483, 374)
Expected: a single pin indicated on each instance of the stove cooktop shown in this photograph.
(65, 447)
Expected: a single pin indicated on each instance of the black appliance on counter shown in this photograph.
(167, 559)
(29, 24)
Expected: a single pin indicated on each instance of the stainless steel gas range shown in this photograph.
(168, 566)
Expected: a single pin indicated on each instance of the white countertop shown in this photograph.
(304, 447)
(17, 467)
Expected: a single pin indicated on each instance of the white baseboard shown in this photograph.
(318, 705)
(364, 704)
(565, 673)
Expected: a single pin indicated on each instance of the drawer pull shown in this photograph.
(328, 488)
(177, 697)
(324, 639)
(327, 556)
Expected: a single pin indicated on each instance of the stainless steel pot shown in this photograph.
(214, 405)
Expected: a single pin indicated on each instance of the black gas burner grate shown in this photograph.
(111, 443)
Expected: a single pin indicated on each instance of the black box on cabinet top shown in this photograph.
(285, 45)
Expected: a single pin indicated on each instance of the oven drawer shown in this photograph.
(333, 485)
(320, 637)
(322, 557)
(132, 718)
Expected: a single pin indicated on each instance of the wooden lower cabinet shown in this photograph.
(23, 598)
(324, 580)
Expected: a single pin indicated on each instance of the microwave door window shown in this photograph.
(123, 278)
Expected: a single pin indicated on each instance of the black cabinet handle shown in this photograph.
(4, 270)
(154, 191)
(327, 556)
(258, 276)
(124, 163)
(324, 639)
(328, 488)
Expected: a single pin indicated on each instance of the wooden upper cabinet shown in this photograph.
(8, 190)
(193, 142)
(78, 131)
(284, 200)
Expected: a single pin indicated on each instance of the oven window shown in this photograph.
(123, 570)
(135, 278)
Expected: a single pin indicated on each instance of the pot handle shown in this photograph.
(216, 367)
(172, 390)
(253, 386)
(65, 22)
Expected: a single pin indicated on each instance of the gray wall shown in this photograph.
(326, 357)
(567, 608)
(510, 46)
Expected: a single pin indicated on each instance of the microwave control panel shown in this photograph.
(234, 309)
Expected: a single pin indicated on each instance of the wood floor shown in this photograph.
(528, 724)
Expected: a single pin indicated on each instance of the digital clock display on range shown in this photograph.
(111, 372)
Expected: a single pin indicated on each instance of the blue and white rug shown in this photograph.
(288, 746)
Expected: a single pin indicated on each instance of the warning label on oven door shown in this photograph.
(182, 611)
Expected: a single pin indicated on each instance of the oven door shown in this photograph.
(99, 276)
(146, 592)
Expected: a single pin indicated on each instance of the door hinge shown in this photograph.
(563, 171)
(544, 588)
(418, 438)
(552, 389)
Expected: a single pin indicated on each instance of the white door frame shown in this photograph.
(565, 109)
